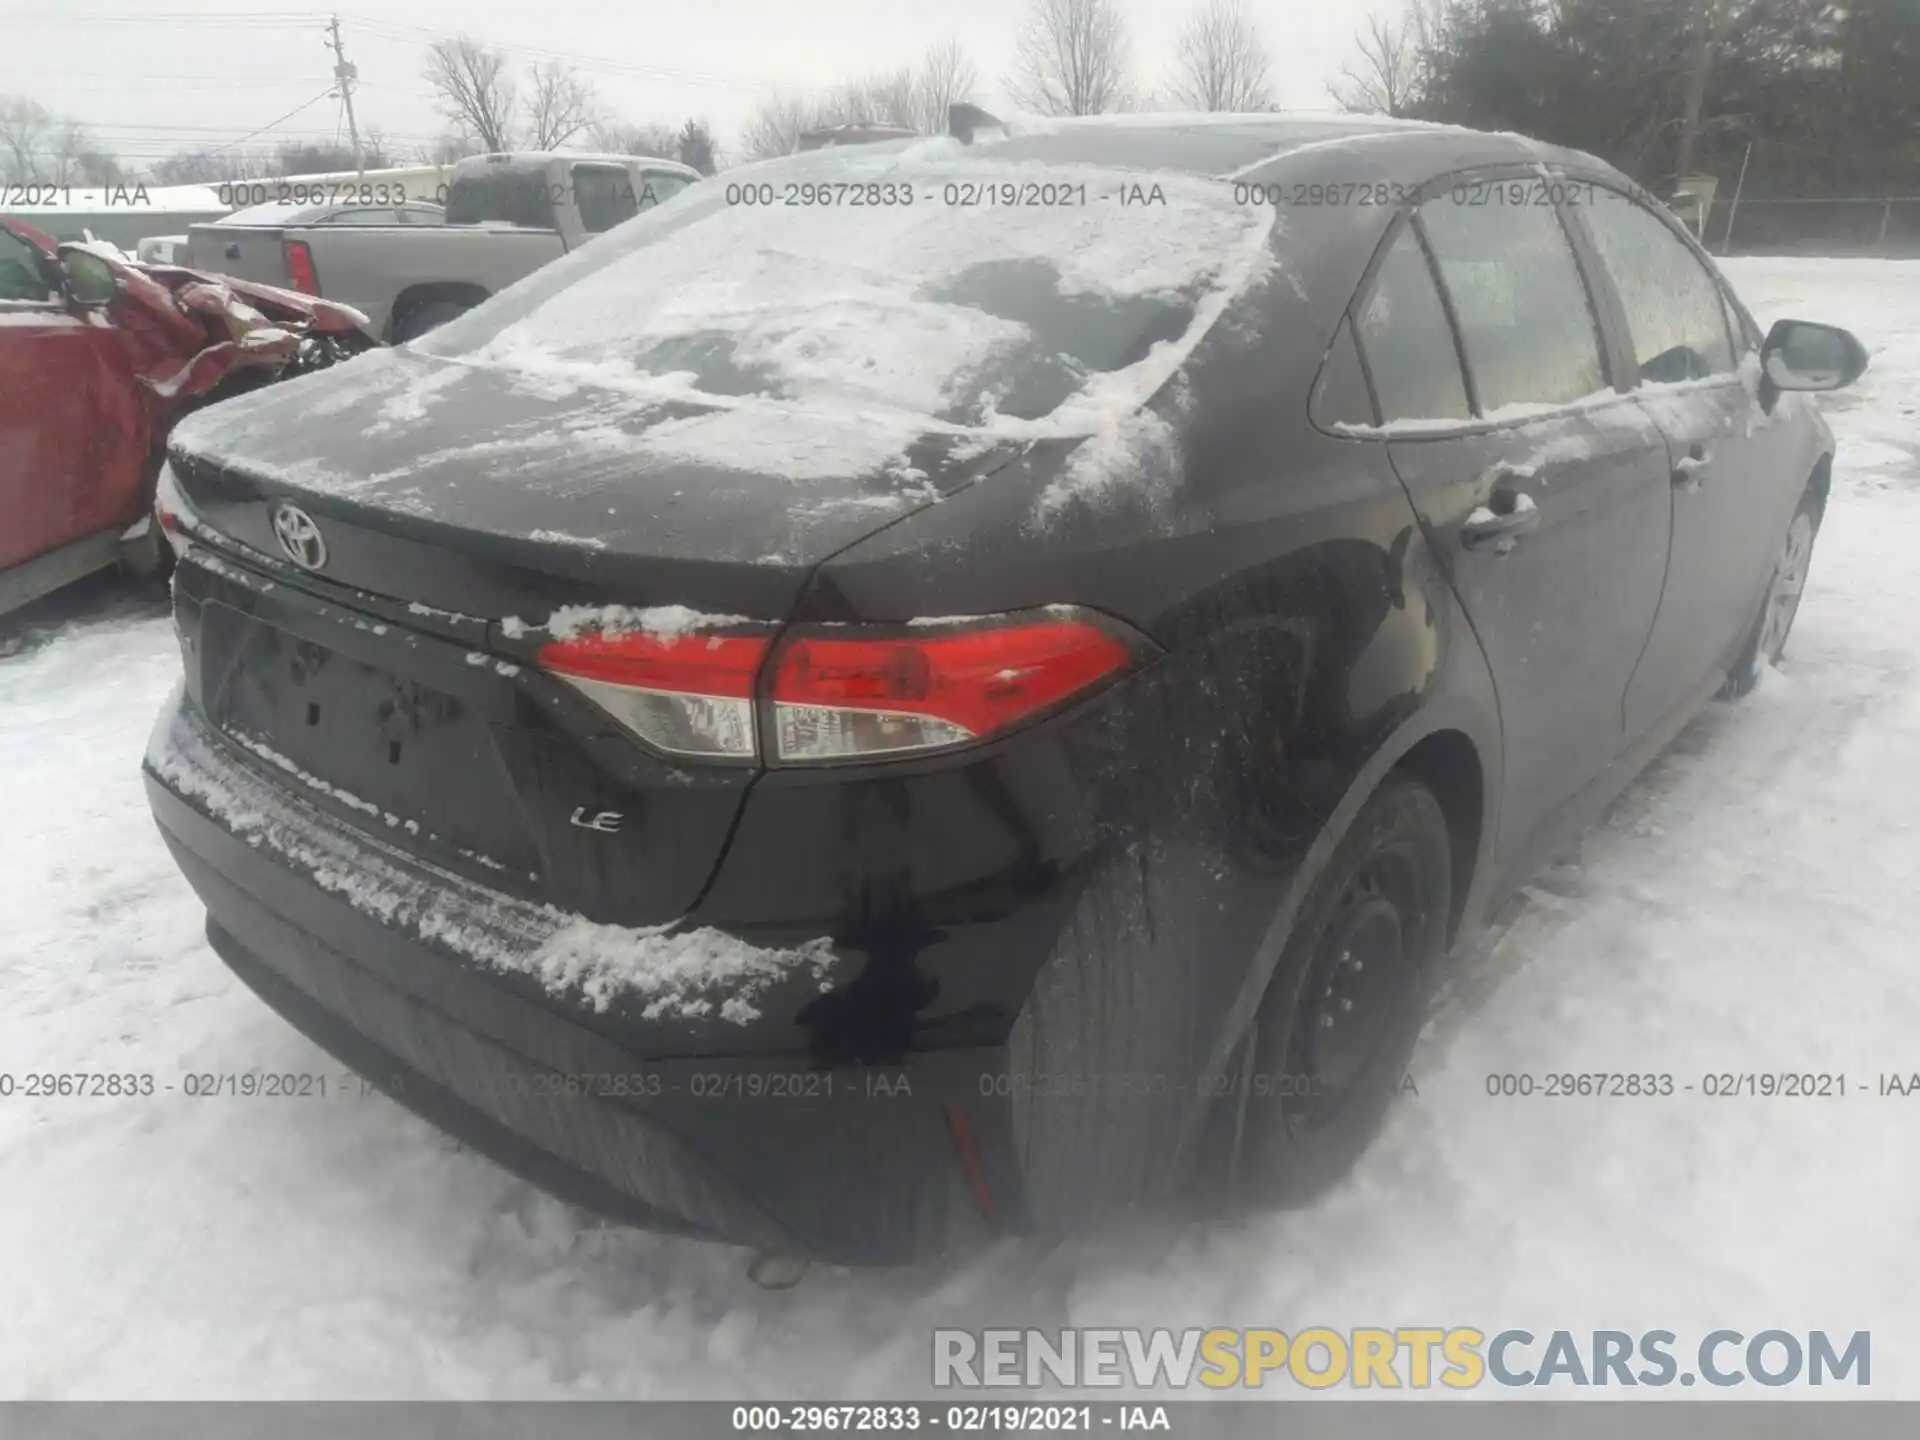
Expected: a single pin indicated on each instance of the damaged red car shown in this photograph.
(98, 357)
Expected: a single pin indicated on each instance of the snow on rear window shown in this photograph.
(949, 303)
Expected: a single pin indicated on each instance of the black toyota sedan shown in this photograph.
(963, 684)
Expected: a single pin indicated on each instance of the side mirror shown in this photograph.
(88, 280)
(1802, 355)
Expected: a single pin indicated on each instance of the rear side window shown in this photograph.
(1675, 315)
(363, 217)
(1406, 341)
(1525, 321)
(605, 196)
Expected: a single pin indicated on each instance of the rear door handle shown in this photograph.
(1497, 530)
(233, 251)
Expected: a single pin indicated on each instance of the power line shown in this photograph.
(403, 33)
(304, 105)
(421, 35)
(258, 82)
(287, 20)
(162, 131)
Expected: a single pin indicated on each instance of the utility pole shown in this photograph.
(346, 74)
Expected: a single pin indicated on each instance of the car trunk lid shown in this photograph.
(388, 675)
(465, 489)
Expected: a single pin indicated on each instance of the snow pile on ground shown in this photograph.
(1750, 906)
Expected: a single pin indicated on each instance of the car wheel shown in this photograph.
(1347, 999)
(422, 318)
(1781, 604)
(1097, 1053)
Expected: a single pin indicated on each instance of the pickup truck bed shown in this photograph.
(506, 216)
(394, 275)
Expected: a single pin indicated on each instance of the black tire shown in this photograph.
(419, 319)
(1099, 1051)
(1779, 607)
(1312, 1107)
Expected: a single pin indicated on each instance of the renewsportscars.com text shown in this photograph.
(1457, 1358)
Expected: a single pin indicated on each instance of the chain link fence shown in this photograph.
(1887, 226)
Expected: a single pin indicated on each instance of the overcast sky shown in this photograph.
(155, 76)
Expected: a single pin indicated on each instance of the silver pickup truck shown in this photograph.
(506, 216)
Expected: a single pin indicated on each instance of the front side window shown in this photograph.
(1525, 321)
(1676, 317)
(20, 277)
(1406, 341)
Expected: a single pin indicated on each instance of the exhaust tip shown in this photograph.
(772, 1271)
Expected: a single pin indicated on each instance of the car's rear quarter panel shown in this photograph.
(1310, 639)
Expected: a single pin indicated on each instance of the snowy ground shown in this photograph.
(1752, 905)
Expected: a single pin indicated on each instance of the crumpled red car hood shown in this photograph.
(214, 324)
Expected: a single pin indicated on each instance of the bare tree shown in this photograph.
(691, 143)
(559, 106)
(1221, 63)
(477, 93)
(76, 157)
(618, 137)
(450, 148)
(880, 97)
(210, 167)
(946, 77)
(1386, 78)
(26, 130)
(297, 157)
(1070, 58)
(39, 147)
(776, 124)
(914, 97)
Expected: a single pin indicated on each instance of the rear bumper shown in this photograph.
(397, 970)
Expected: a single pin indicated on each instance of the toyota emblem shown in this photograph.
(299, 536)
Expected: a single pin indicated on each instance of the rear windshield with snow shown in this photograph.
(502, 193)
(928, 279)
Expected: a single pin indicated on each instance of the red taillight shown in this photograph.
(686, 694)
(300, 266)
(837, 695)
(841, 698)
